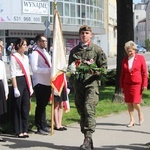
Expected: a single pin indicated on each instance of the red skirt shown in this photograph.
(133, 93)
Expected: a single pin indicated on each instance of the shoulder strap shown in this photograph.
(46, 62)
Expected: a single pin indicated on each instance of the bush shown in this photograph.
(111, 78)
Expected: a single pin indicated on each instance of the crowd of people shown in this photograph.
(133, 80)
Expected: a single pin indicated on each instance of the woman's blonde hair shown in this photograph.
(130, 44)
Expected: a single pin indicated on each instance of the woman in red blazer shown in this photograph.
(133, 80)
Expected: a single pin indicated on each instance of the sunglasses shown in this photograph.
(43, 41)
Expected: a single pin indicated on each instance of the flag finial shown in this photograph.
(55, 5)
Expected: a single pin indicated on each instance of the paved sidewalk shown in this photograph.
(111, 134)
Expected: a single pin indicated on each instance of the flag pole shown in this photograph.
(52, 113)
(52, 104)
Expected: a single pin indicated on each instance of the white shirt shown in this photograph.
(41, 71)
(15, 69)
(3, 76)
(130, 62)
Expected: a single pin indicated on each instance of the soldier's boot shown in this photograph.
(87, 144)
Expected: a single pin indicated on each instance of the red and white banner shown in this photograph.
(59, 56)
(59, 63)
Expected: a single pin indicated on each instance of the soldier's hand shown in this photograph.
(97, 73)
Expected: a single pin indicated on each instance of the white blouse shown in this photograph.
(3, 77)
(130, 62)
(15, 69)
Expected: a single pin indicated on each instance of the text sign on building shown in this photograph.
(26, 18)
(35, 7)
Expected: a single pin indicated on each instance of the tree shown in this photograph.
(147, 44)
(125, 33)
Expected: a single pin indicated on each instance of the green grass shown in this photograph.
(105, 107)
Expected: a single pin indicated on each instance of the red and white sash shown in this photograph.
(24, 72)
(46, 62)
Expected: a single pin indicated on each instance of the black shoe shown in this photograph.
(64, 128)
(46, 129)
(87, 144)
(2, 140)
(20, 136)
(26, 135)
(59, 129)
(42, 132)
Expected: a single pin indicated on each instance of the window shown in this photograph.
(88, 12)
(66, 9)
(78, 11)
(2, 32)
(72, 8)
(60, 8)
(137, 17)
(83, 1)
(83, 11)
(91, 13)
(51, 8)
(88, 1)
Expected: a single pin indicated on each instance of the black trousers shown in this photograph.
(3, 104)
(21, 106)
(42, 94)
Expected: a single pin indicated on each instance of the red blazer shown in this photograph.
(137, 75)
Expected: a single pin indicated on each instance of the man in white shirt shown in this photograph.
(40, 62)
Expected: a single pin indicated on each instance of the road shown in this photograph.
(112, 60)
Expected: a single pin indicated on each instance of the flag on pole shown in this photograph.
(59, 62)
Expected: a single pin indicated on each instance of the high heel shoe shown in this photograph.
(141, 122)
(130, 125)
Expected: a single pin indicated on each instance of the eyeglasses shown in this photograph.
(43, 40)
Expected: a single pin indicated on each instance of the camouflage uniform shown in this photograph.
(87, 90)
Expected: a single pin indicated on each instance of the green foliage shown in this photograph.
(111, 78)
(147, 43)
(84, 70)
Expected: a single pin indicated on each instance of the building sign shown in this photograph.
(14, 11)
(26, 18)
(35, 7)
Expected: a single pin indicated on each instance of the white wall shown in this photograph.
(102, 41)
(141, 33)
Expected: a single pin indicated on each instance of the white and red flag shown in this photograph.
(59, 62)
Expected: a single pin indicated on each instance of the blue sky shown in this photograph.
(136, 1)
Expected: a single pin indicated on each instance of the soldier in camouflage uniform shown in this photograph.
(87, 88)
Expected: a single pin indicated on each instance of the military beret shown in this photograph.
(85, 28)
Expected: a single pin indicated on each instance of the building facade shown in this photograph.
(112, 27)
(147, 34)
(27, 18)
(139, 17)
